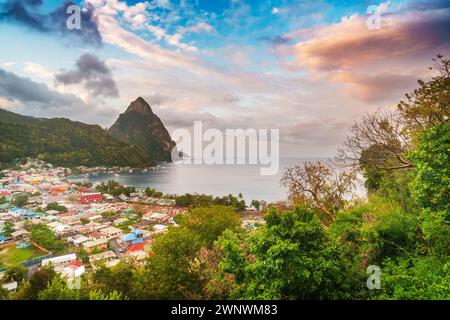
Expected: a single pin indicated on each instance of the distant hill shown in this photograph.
(138, 125)
(8, 116)
(65, 143)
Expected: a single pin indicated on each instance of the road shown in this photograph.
(115, 247)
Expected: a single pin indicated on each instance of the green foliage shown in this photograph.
(115, 189)
(436, 231)
(431, 183)
(416, 278)
(14, 273)
(196, 201)
(58, 289)
(256, 204)
(55, 206)
(150, 192)
(8, 228)
(43, 236)
(20, 200)
(375, 230)
(294, 259)
(3, 294)
(38, 281)
(120, 278)
(65, 143)
(170, 272)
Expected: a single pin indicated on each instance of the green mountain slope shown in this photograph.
(64, 142)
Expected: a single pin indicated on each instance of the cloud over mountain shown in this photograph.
(27, 91)
(93, 74)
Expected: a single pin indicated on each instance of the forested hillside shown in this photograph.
(65, 143)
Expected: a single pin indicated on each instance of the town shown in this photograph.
(75, 226)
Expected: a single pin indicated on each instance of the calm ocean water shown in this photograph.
(217, 180)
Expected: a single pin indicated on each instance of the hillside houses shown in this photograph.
(109, 228)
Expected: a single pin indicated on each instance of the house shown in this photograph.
(111, 232)
(100, 244)
(108, 197)
(135, 237)
(153, 216)
(20, 234)
(95, 235)
(166, 202)
(93, 197)
(95, 217)
(123, 198)
(141, 225)
(120, 221)
(60, 261)
(62, 229)
(52, 212)
(107, 258)
(70, 219)
(78, 240)
(73, 271)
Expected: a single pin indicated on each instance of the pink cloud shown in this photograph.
(375, 65)
(374, 88)
(350, 44)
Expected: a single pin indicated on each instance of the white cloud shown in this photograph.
(38, 70)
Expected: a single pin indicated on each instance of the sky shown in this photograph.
(307, 68)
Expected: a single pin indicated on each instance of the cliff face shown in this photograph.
(138, 125)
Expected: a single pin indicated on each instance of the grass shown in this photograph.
(11, 256)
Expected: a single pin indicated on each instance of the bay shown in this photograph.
(217, 180)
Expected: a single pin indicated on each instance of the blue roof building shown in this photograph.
(135, 237)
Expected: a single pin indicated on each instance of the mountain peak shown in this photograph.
(140, 126)
(140, 106)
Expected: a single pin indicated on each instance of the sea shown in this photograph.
(217, 180)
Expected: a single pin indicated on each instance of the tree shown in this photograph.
(38, 281)
(377, 140)
(8, 229)
(20, 200)
(432, 174)
(431, 186)
(416, 278)
(3, 293)
(43, 236)
(15, 273)
(150, 192)
(429, 105)
(171, 271)
(292, 258)
(320, 186)
(119, 278)
(58, 289)
(55, 206)
(256, 204)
